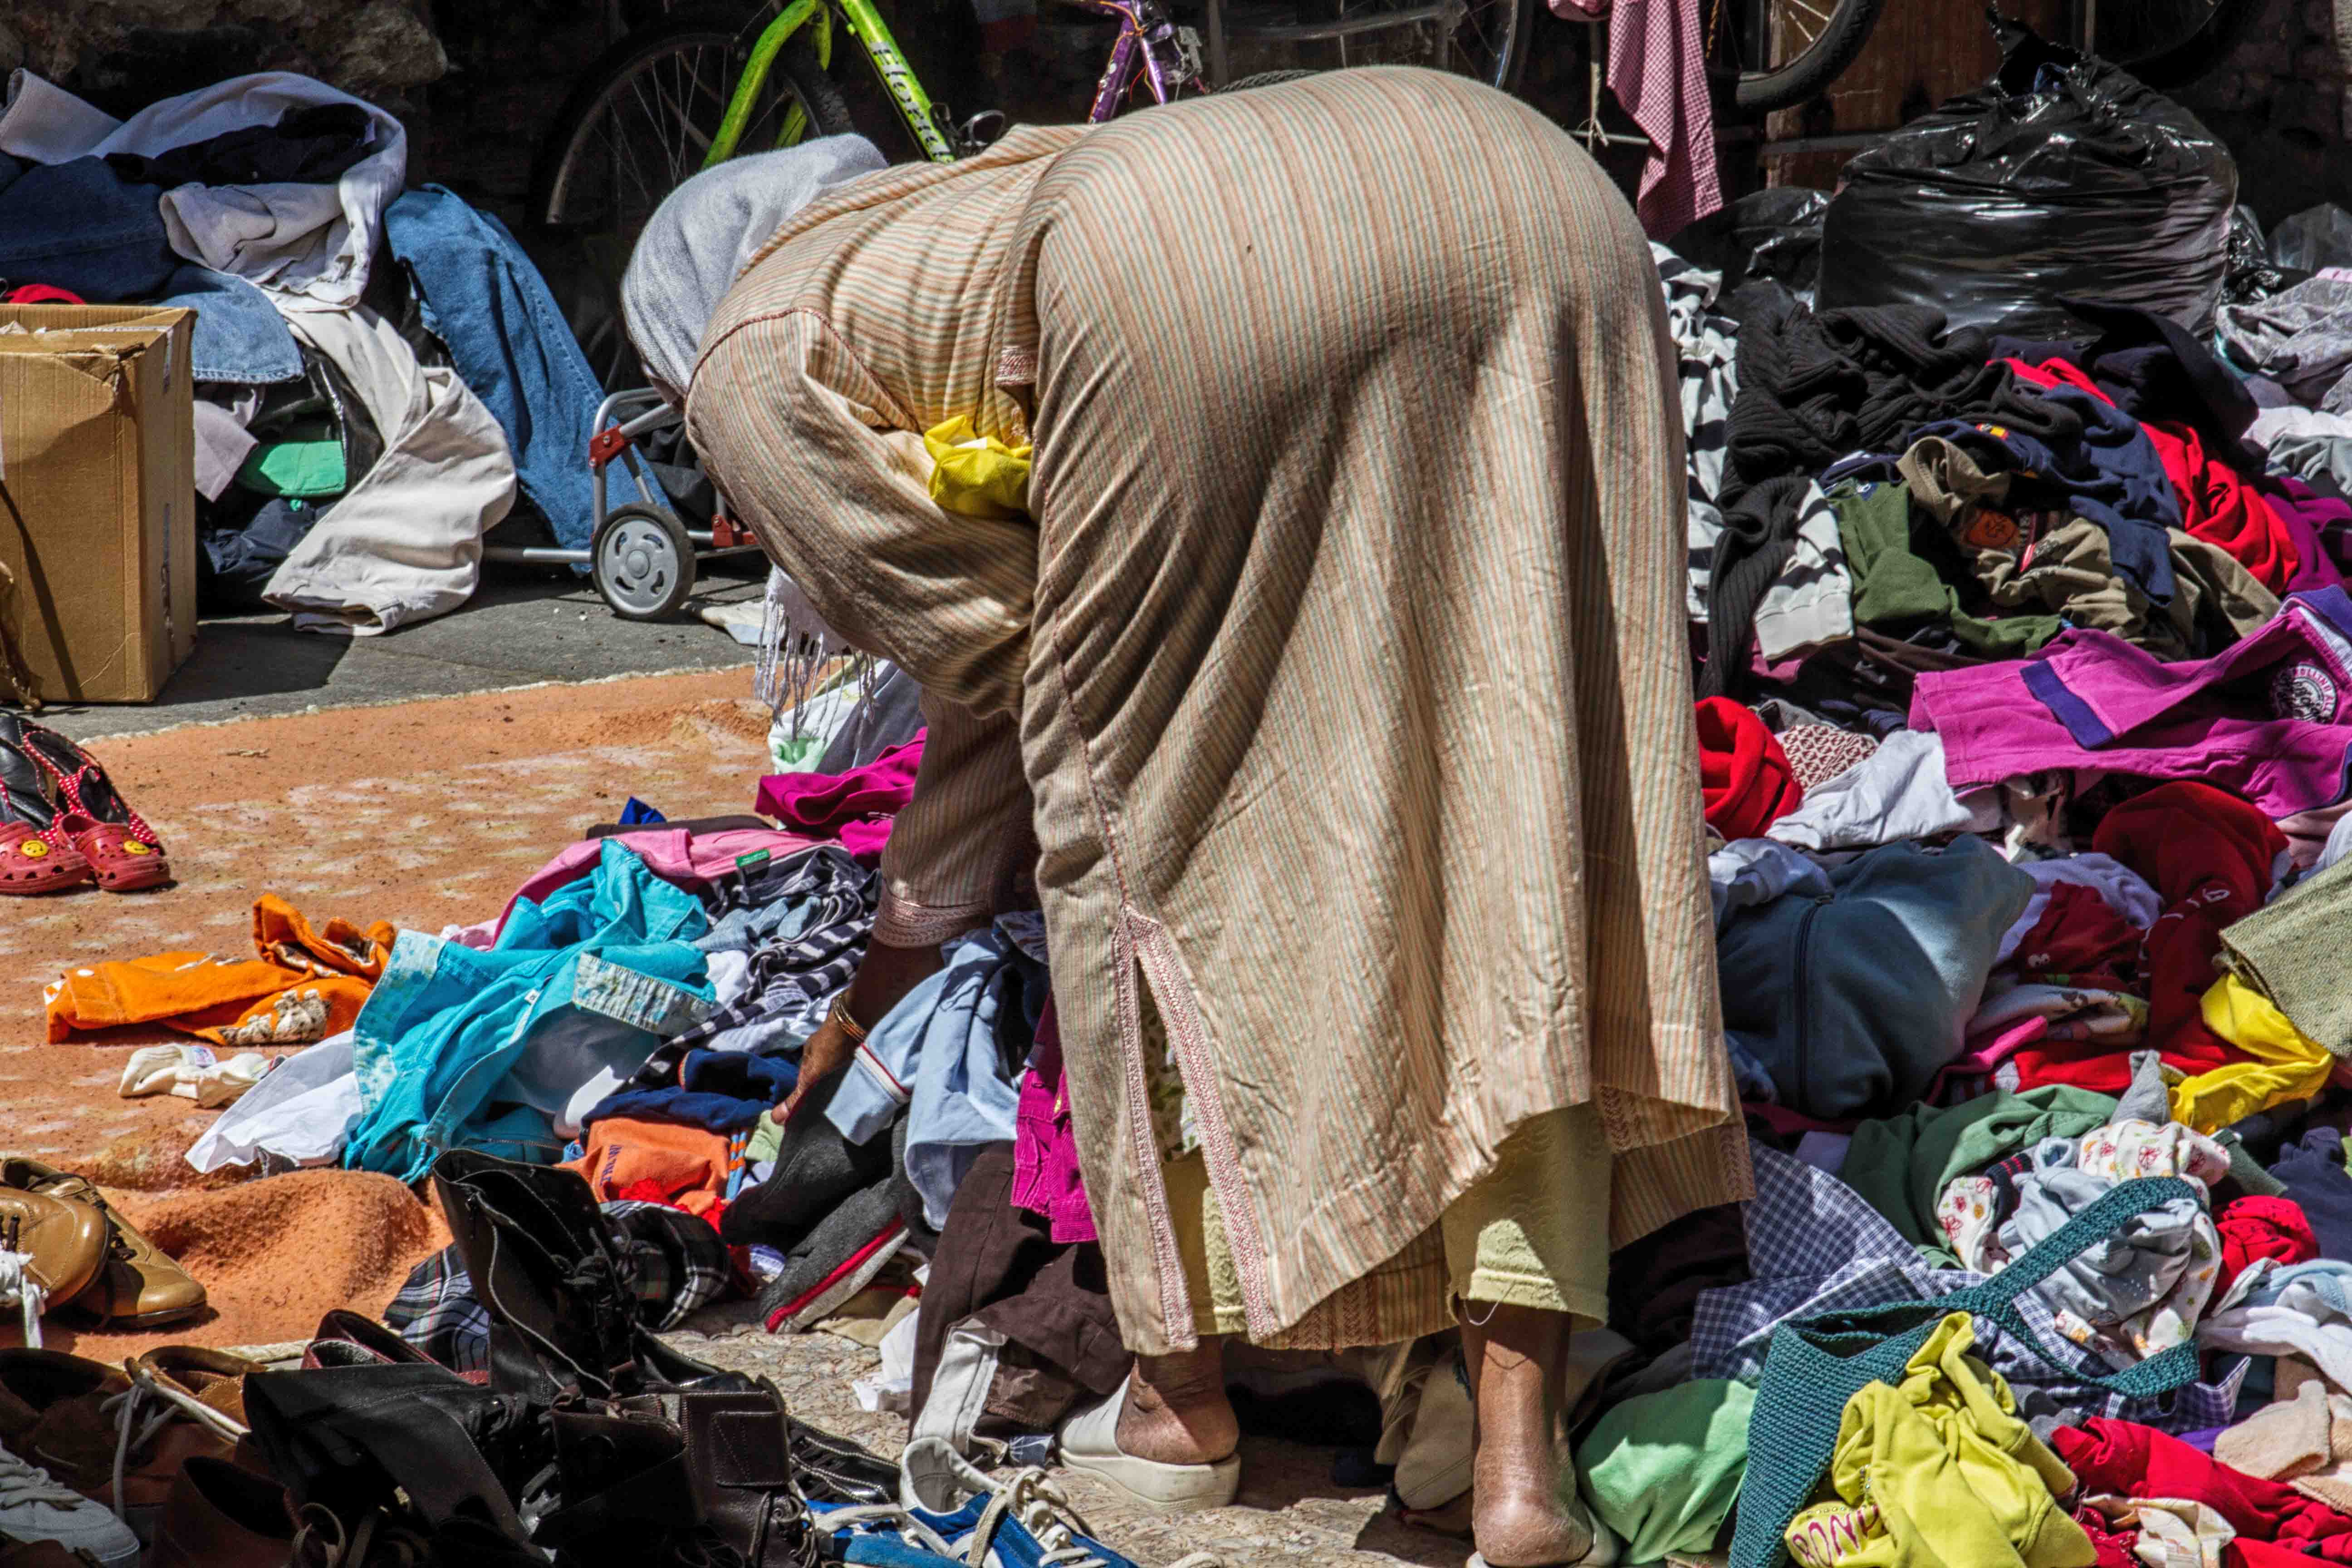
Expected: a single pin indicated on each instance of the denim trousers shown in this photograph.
(79, 226)
(511, 345)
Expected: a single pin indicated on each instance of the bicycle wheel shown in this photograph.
(1775, 54)
(1267, 78)
(639, 124)
(1486, 40)
(2171, 43)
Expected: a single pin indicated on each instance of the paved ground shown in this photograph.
(522, 628)
(424, 813)
(1290, 1511)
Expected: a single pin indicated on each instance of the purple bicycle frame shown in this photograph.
(1148, 40)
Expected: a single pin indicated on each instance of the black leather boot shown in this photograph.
(393, 1537)
(412, 1441)
(559, 1291)
(826, 1469)
(542, 1262)
(738, 1457)
(622, 1490)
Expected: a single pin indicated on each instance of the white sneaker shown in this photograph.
(35, 1508)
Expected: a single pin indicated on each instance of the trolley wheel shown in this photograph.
(643, 562)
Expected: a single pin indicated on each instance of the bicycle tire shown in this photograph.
(2202, 52)
(1504, 69)
(1513, 68)
(586, 253)
(686, 29)
(1821, 63)
(1267, 78)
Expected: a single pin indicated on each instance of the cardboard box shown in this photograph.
(98, 522)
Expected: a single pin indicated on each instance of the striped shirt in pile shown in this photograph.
(1339, 675)
(1811, 602)
(1707, 370)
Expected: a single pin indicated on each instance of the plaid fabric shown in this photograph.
(674, 1262)
(1802, 1218)
(437, 1312)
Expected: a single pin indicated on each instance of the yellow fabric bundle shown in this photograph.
(975, 475)
(2288, 1064)
(1940, 1471)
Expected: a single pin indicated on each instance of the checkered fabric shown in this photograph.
(1819, 752)
(437, 1312)
(674, 1262)
(1815, 1245)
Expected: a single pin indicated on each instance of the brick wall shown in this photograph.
(2279, 102)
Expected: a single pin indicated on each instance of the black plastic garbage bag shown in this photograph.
(2252, 274)
(2313, 238)
(2060, 175)
(1772, 233)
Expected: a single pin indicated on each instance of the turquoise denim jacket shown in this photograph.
(463, 1050)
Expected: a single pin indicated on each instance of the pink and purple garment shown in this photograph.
(856, 808)
(2320, 527)
(2270, 719)
(678, 856)
(1045, 1179)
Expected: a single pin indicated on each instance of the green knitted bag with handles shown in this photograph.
(1815, 1365)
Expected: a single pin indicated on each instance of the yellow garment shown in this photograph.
(1940, 1473)
(1532, 1231)
(977, 476)
(2288, 1065)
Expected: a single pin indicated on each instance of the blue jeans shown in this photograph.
(79, 226)
(511, 345)
(239, 335)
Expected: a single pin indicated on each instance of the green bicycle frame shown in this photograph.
(866, 24)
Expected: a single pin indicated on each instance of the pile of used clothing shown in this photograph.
(377, 370)
(2025, 731)
(2024, 725)
(583, 1081)
(589, 1071)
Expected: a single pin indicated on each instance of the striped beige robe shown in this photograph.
(1340, 674)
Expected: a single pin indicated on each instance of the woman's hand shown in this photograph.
(823, 1055)
(886, 976)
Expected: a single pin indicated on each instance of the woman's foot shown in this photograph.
(1167, 1439)
(1176, 1411)
(1523, 1510)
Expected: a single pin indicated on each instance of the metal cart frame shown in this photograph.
(641, 553)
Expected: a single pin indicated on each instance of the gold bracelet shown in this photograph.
(839, 1014)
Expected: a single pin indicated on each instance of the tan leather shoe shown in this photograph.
(67, 1242)
(215, 1379)
(137, 1287)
